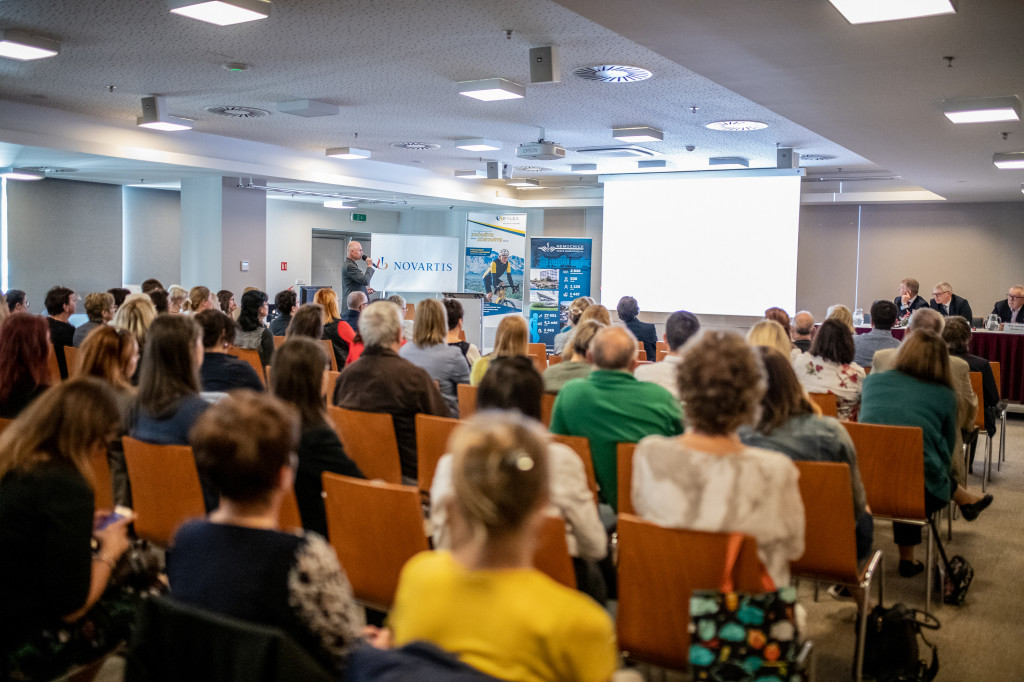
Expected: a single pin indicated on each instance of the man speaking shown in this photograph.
(353, 279)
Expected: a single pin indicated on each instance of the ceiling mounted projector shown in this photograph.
(541, 150)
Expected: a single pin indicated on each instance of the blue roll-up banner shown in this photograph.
(559, 273)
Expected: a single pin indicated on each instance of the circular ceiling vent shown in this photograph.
(238, 112)
(612, 73)
(49, 170)
(736, 126)
(532, 169)
(416, 146)
(816, 157)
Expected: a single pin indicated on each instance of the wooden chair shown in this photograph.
(103, 488)
(432, 434)
(539, 353)
(660, 351)
(582, 447)
(891, 460)
(641, 355)
(624, 476)
(827, 403)
(979, 429)
(331, 357)
(165, 488)
(467, 400)
(547, 406)
(1001, 408)
(51, 362)
(554, 359)
(658, 570)
(369, 439)
(332, 382)
(552, 553)
(374, 528)
(72, 360)
(279, 341)
(289, 517)
(252, 357)
(830, 540)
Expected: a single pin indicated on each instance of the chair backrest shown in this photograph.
(976, 386)
(51, 362)
(332, 381)
(467, 400)
(641, 356)
(891, 460)
(660, 351)
(582, 447)
(830, 536)
(659, 568)
(369, 439)
(539, 353)
(331, 357)
(432, 435)
(624, 475)
(547, 406)
(279, 341)
(827, 402)
(165, 488)
(552, 553)
(289, 517)
(4, 423)
(996, 375)
(103, 490)
(72, 360)
(554, 359)
(410, 311)
(375, 528)
(251, 356)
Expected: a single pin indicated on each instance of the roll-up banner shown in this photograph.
(559, 273)
(495, 245)
(412, 262)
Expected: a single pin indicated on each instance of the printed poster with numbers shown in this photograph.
(559, 273)
(495, 266)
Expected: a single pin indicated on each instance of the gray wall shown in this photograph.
(63, 232)
(152, 235)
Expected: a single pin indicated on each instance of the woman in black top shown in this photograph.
(24, 372)
(251, 332)
(298, 377)
(220, 371)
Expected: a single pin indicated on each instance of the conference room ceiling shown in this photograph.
(865, 98)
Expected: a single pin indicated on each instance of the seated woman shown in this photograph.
(199, 299)
(444, 364)
(135, 315)
(772, 334)
(576, 309)
(297, 377)
(176, 296)
(251, 333)
(483, 600)
(307, 321)
(99, 307)
(340, 333)
(24, 370)
(514, 384)
(510, 339)
(829, 368)
(220, 371)
(226, 302)
(575, 364)
(237, 562)
(56, 562)
(790, 424)
(456, 314)
(707, 479)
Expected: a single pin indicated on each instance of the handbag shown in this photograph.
(956, 579)
(891, 650)
(737, 636)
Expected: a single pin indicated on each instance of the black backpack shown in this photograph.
(891, 650)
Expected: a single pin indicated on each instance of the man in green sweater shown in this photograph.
(610, 406)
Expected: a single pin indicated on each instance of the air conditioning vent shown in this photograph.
(238, 112)
(628, 151)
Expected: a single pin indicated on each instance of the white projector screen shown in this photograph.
(721, 243)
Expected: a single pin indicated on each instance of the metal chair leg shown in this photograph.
(988, 458)
(1002, 438)
(928, 570)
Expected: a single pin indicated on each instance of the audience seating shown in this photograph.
(658, 570)
(467, 400)
(979, 429)
(641, 356)
(830, 541)
(660, 351)
(624, 476)
(252, 357)
(539, 353)
(51, 362)
(547, 405)
(582, 447)
(331, 357)
(72, 360)
(827, 403)
(432, 434)
(4, 423)
(375, 528)
(1001, 408)
(369, 440)
(103, 486)
(891, 460)
(165, 488)
(552, 554)
(289, 517)
(332, 381)
(279, 341)
(554, 359)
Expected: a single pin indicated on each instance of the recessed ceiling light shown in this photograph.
(612, 73)
(638, 134)
(652, 163)
(337, 203)
(308, 108)
(870, 11)
(731, 161)
(736, 126)
(583, 168)
(24, 47)
(20, 174)
(1009, 160)
(347, 153)
(523, 182)
(154, 118)
(221, 12)
(985, 110)
(471, 174)
(478, 144)
(491, 89)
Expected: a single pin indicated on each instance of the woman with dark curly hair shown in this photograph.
(707, 479)
(251, 332)
(829, 367)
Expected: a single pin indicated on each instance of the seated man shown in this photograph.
(60, 304)
(883, 316)
(380, 381)
(610, 406)
(908, 301)
(679, 327)
(645, 332)
(948, 303)
(1009, 310)
(803, 330)
(355, 303)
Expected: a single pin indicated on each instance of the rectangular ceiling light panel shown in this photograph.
(492, 89)
(1009, 160)
(478, 144)
(221, 12)
(638, 134)
(348, 153)
(471, 174)
(870, 11)
(337, 203)
(986, 110)
(24, 47)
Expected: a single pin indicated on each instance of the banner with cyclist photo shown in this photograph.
(559, 273)
(495, 262)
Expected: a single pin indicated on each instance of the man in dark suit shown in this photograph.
(1010, 309)
(60, 304)
(352, 278)
(645, 332)
(908, 301)
(948, 303)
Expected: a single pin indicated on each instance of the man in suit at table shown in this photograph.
(948, 303)
(908, 301)
(1010, 309)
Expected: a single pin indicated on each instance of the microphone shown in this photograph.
(365, 257)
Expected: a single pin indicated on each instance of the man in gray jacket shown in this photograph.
(883, 316)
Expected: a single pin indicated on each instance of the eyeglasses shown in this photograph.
(1014, 296)
(939, 293)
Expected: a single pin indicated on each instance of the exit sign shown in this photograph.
(358, 217)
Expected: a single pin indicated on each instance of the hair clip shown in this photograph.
(520, 460)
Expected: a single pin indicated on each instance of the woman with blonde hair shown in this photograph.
(576, 309)
(575, 366)
(770, 334)
(842, 313)
(429, 350)
(136, 315)
(483, 600)
(511, 338)
(199, 299)
(176, 297)
(340, 333)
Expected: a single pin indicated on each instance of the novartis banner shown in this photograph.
(410, 262)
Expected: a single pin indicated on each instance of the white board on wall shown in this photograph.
(410, 262)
